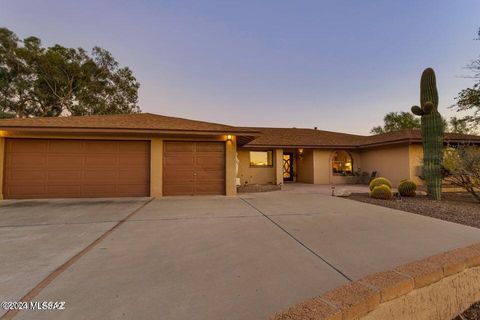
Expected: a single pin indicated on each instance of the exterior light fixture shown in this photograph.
(300, 150)
(229, 137)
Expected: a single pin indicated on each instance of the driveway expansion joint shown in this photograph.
(298, 240)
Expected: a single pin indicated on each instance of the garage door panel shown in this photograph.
(194, 168)
(104, 160)
(62, 190)
(64, 176)
(132, 159)
(27, 146)
(179, 147)
(65, 161)
(60, 170)
(179, 190)
(99, 147)
(133, 190)
(126, 147)
(210, 147)
(25, 160)
(206, 175)
(107, 175)
(179, 160)
(65, 146)
(23, 191)
(25, 175)
(179, 175)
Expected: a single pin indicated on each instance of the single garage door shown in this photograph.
(48, 168)
(193, 168)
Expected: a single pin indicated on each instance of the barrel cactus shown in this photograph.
(378, 182)
(432, 133)
(407, 188)
(382, 192)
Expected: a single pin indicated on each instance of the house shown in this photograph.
(153, 155)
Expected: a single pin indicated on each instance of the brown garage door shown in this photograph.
(41, 168)
(193, 168)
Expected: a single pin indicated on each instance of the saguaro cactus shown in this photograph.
(432, 133)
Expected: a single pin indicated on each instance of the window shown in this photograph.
(342, 163)
(261, 158)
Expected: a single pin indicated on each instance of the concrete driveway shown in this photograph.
(206, 257)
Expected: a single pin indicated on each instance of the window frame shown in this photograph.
(332, 161)
(261, 166)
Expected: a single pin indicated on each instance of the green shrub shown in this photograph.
(407, 188)
(380, 181)
(382, 192)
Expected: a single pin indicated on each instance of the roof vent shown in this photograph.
(315, 128)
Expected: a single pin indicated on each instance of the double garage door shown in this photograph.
(47, 168)
(50, 168)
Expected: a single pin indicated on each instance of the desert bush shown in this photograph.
(382, 192)
(462, 166)
(380, 181)
(407, 188)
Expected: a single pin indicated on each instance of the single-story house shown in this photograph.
(153, 155)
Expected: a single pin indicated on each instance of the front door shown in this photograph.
(288, 166)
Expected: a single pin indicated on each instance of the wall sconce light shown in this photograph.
(229, 137)
(300, 151)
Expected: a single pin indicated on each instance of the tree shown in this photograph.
(469, 99)
(462, 168)
(394, 121)
(456, 125)
(54, 81)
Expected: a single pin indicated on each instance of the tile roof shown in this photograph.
(265, 137)
(297, 137)
(139, 121)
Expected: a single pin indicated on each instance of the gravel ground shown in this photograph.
(455, 207)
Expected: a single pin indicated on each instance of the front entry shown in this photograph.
(288, 166)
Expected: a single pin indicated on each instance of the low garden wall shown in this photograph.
(439, 287)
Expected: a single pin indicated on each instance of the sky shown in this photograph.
(337, 65)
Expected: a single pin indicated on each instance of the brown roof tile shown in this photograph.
(295, 137)
(300, 137)
(139, 121)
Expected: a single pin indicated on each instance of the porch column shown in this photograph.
(231, 164)
(279, 166)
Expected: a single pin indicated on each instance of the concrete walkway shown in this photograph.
(227, 257)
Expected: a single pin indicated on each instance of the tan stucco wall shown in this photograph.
(230, 167)
(416, 156)
(305, 167)
(156, 167)
(156, 156)
(321, 169)
(392, 163)
(255, 175)
(278, 164)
